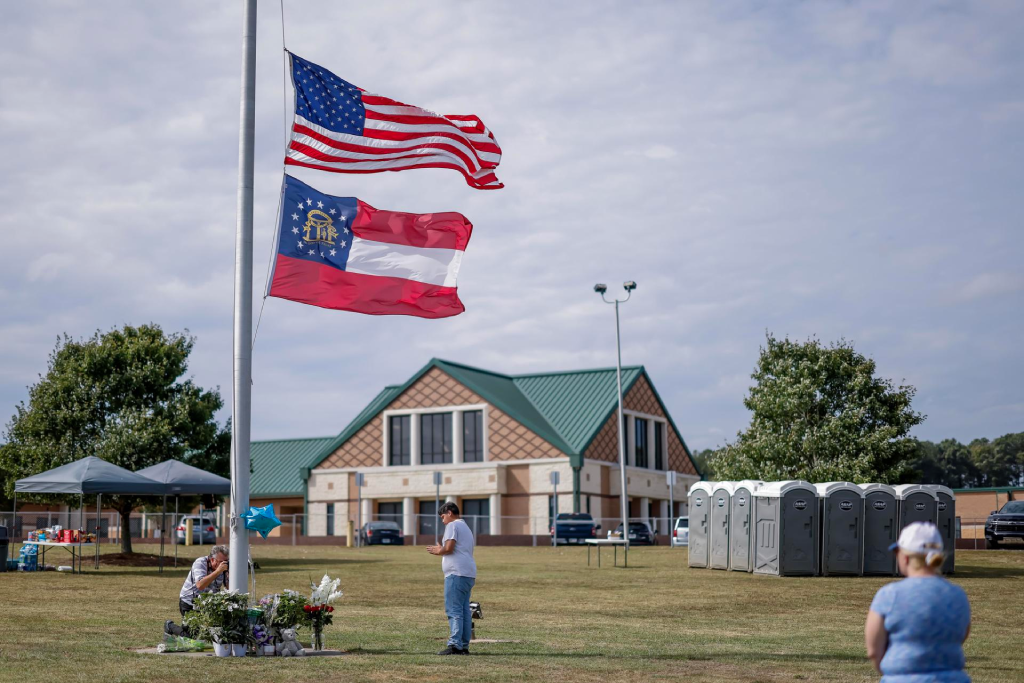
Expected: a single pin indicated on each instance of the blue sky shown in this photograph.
(830, 169)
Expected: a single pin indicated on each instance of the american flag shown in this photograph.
(342, 128)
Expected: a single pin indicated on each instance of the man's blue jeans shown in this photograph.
(456, 606)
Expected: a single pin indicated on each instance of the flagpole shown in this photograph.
(241, 411)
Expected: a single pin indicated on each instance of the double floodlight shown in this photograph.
(601, 288)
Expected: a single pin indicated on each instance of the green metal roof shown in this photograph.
(277, 465)
(502, 392)
(566, 409)
(577, 403)
(990, 489)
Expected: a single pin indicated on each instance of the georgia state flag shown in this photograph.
(341, 253)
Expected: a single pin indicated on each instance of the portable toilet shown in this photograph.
(881, 518)
(947, 523)
(740, 537)
(721, 506)
(916, 504)
(786, 529)
(842, 527)
(699, 500)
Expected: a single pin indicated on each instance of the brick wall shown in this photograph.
(507, 438)
(640, 398)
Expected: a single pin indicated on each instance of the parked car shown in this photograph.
(681, 532)
(205, 526)
(573, 527)
(1007, 522)
(639, 534)
(381, 533)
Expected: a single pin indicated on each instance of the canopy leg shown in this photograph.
(175, 532)
(14, 517)
(81, 530)
(163, 532)
(99, 496)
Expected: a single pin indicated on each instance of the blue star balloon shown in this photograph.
(262, 520)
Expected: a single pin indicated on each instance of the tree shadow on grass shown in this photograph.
(271, 566)
(974, 572)
(286, 565)
(714, 657)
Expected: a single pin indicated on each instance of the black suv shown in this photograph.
(1008, 522)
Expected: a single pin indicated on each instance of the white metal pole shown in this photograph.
(242, 364)
(671, 505)
(554, 519)
(99, 497)
(624, 498)
(359, 514)
(437, 505)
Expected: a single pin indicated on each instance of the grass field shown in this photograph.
(657, 620)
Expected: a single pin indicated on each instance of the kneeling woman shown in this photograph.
(916, 627)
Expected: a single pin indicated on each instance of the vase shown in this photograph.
(222, 649)
(318, 632)
(238, 649)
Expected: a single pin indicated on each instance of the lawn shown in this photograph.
(656, 620)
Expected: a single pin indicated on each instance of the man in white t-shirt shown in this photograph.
(456, 551)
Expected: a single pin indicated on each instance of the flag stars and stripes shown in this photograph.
(339, 127)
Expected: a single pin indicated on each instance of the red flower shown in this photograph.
(329, 608)
(307, 608)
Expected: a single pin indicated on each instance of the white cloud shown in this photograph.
(801, 169)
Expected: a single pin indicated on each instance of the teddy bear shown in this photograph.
(288, 645)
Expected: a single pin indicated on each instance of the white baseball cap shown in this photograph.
(920, 538)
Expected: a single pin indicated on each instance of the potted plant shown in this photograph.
(220, 618)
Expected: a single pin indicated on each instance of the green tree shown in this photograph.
(702, 460)
(998, 462)
(949, 463)
(1010, 447)
(821, 414)
(120, 396)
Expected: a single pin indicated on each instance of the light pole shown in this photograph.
(624, 499)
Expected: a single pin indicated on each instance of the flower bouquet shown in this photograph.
(319, 610)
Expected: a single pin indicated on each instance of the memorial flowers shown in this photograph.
(319, 609)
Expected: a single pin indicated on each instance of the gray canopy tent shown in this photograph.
(178, 479)
(90, 475)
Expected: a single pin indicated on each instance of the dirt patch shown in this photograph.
(131, 560)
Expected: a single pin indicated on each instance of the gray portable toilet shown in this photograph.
(740, 536)
(947, 523)
(842, 528)
(721, 506)
(881, 520)
(786, 529)
(916, 504)
(699, 501)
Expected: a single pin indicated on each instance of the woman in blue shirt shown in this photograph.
(916, 627)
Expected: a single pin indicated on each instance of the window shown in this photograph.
(477, 514)
(398, 445)
(428, 520)
(640, 441)
(390, 512)
(330, 519)
(473, 436)
(436, 438)
(659, 446)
